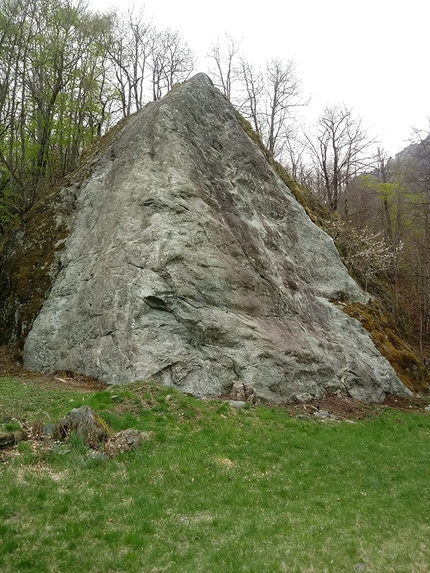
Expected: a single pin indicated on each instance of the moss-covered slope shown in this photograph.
(28, 254)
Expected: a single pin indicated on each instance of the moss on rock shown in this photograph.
(28, 255)
(383, 331)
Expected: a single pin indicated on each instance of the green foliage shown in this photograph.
(399, 190)
(218, 489)
(50, 108)
(66, 76)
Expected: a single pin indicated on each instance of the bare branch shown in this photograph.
(340, 150)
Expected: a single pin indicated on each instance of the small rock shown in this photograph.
(427, 409)
(237, 403)
(303, 397)
(241, 393)
(322, 414)
(359, 567)
(48, 429)
(85, 422)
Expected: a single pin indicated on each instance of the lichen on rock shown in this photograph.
(84, 422)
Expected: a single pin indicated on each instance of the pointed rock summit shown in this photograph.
(190, 262)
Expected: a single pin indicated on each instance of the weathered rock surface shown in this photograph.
(85, 422)
(190, 262)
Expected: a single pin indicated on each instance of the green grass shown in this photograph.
(29, 401)
(216, 490)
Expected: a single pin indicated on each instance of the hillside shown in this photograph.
(392, 205)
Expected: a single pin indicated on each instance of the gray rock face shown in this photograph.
(190, 262)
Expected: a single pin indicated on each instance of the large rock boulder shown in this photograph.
(190, 262)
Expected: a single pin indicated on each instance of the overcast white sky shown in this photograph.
(371, 55)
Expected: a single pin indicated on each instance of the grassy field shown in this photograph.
(214, 490)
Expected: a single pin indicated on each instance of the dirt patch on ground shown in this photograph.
(344, 408)
(11, 365)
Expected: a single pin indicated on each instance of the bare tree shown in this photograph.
(294, 158)
(340, 150)
(268, 98)
(172, 60)
(417, 205)
(250, 93)
(129, 47)
(384, 190)
(224, 58)
(282, 96)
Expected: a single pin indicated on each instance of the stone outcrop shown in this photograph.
(190, 262)
(86, 423)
